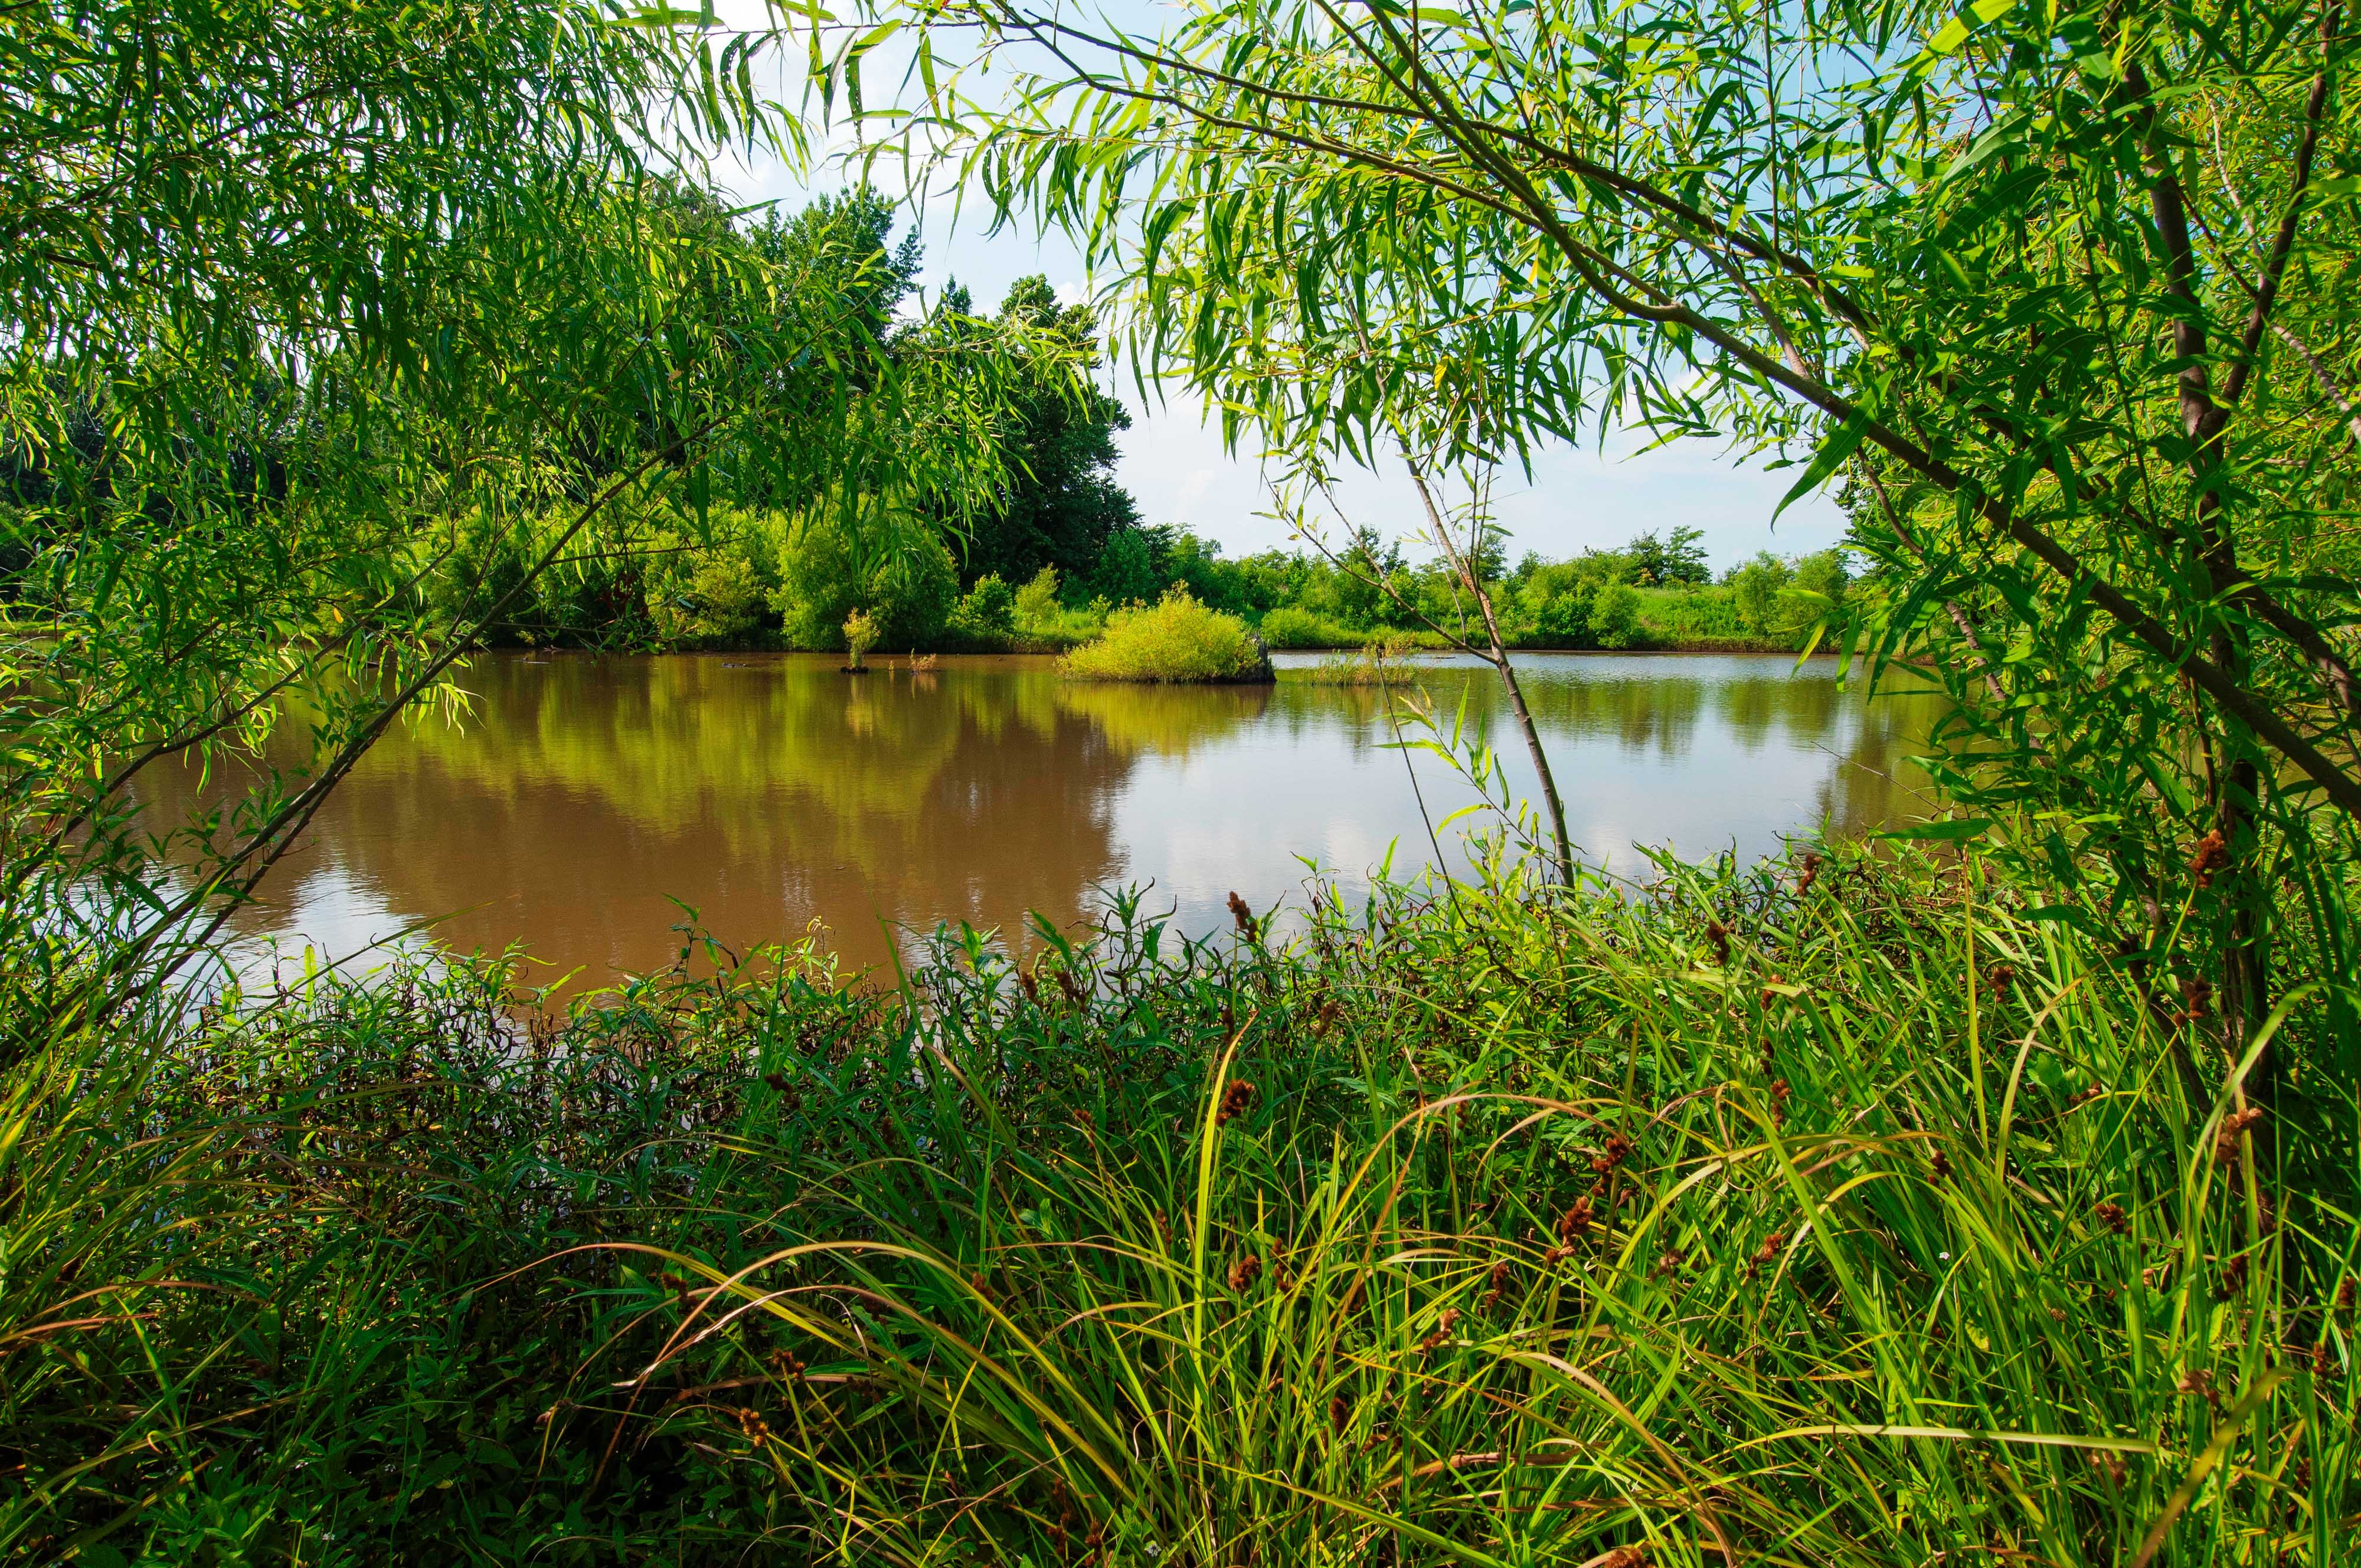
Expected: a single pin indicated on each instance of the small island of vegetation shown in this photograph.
(1174, 639)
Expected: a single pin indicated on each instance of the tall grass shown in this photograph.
(1842, 1210)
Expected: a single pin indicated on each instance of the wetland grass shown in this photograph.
(1764, 1219)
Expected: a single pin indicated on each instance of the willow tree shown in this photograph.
(2063, 288)
(283, 287)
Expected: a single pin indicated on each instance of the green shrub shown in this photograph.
(1292, 626)
(904, 577)
(1692, 618)
(1615, 616)
(1037, 602)
(1176, 639)
(987, 614)
(707, 597)
(1757, 585)
(1557, 615)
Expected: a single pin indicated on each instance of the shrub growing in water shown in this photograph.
(860, 631)
(1176, 639)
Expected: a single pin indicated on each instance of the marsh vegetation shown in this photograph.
(1988, 1187)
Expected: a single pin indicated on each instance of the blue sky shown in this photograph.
(1177, 472)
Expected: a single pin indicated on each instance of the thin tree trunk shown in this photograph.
(1463, 563)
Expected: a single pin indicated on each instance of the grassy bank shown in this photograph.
(1842, 1211)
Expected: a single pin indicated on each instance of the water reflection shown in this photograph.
(585, 794)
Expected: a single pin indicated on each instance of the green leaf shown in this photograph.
(1831, 455)
(1951, 832)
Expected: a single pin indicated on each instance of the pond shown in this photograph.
(587, 793)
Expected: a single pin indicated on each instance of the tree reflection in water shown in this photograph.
(768, 791)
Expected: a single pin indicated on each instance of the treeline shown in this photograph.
(1055, 547)
(1655, 592)
(788, 580)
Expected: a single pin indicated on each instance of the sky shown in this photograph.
(1177, 472)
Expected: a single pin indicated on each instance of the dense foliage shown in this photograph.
(2060, 286)
(1175, 639)
(1863, 1209)
(761, 579)
(1846, 1210)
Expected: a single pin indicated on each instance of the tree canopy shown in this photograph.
(2061, 284)
(291, 291)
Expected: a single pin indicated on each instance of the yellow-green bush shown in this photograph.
(1177, 639)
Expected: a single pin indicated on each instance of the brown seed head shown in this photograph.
(2198, 993)
(2210, 856)
(1941, 1165)
(1574, 1224)
(2112, 1215)
(1339, 1413)
(1245, 1272)
(751, 1422)
(2234, 1126)
(1617, 1150)
(1243, 914)
(1235, 1097)
(2001, 976)
(2344, 1295)
(1718, 934)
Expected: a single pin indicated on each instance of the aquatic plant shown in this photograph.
(1176, 640)
(861, 634)
(1380, 663)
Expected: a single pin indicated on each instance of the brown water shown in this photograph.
(768, 793)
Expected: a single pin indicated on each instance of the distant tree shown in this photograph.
(1061, 505)
(1365, 561)
(845, 239)
(987, 611)
(1125, 570)
(1680, 559)
(1757, 585)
